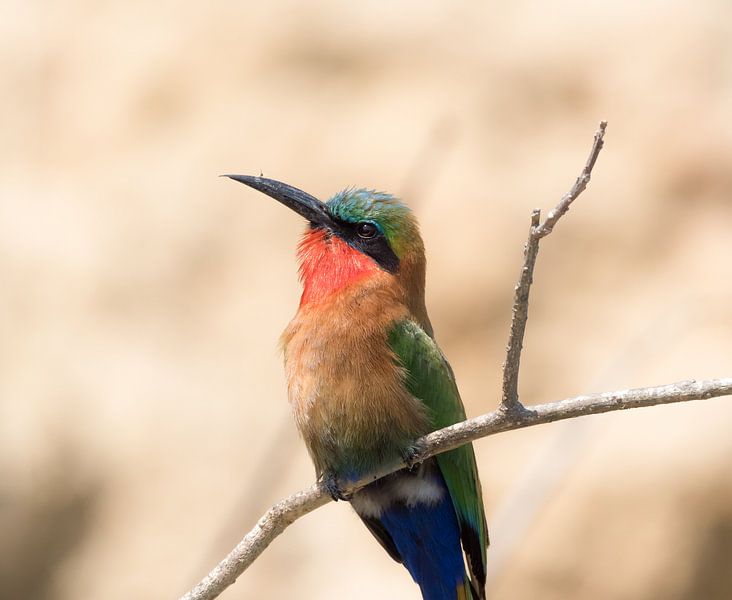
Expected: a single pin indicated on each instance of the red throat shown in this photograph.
(328, 264)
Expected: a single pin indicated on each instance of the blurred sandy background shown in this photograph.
(143, 420)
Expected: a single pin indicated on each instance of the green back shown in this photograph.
(430, 378)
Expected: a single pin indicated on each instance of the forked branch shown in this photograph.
(511, 414)
(520, 310)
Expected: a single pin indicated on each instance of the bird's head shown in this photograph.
(354, 234)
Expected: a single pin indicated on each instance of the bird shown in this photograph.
(366, 379)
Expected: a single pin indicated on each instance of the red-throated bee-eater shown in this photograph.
(366, 379)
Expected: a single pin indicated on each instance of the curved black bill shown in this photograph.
(301, 202)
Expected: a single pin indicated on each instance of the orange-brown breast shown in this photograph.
(345, 386)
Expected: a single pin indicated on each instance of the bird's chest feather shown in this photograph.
(345, 385)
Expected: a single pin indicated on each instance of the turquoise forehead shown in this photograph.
(391, 216)
(360, 204)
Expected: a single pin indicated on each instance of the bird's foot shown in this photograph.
(412, 455)
(333, 487)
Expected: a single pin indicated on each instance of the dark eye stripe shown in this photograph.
(373, 244)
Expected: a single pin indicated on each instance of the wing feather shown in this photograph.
(430, 378)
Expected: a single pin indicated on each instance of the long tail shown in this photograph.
(417, 525)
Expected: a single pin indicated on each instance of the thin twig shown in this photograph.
(520, 310)
(579, 186)
(519, 316)
(284, 513)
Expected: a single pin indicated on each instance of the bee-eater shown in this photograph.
(366, 379)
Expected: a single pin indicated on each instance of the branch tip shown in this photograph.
(520, 309)
(535, 217)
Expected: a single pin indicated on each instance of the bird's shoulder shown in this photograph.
(429, 375)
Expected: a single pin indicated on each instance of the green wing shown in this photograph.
(430, 378)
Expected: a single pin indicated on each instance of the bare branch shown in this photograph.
(579, 186)
(511, 414)
(520, 310)
(284, 513)
(519, 316)
(272, 524)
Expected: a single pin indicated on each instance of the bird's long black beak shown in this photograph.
(301, 202)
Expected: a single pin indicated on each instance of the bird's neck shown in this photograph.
(331, 270)
(328, 265)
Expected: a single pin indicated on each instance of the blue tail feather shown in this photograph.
(428, 540)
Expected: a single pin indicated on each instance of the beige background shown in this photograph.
(143, 421)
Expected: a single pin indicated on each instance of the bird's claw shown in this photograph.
(331, 485)
(412, 455)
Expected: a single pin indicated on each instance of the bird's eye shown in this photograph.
(366, 230)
